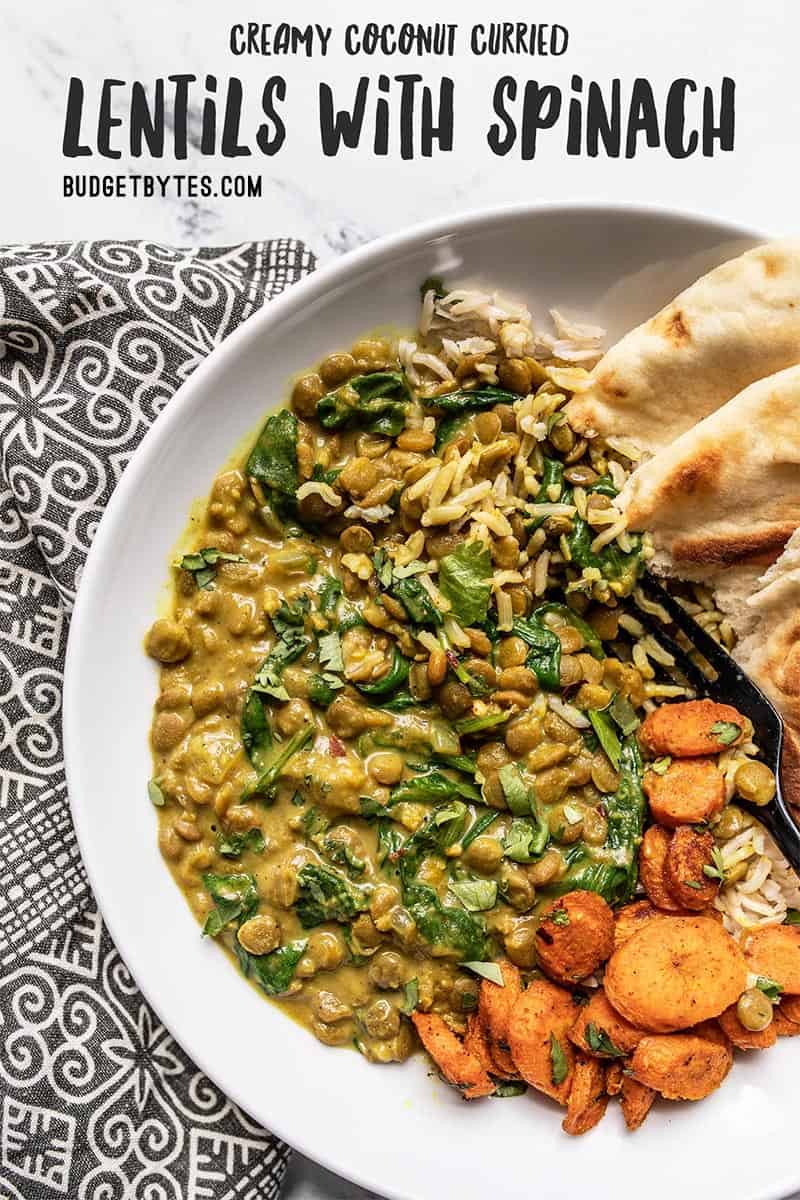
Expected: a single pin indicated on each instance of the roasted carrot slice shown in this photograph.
(456, 1064)
(690, 791)
(537, 1034)
(774, 951)
(675, 972)
(494, 1008)
(575, 935)
(691, 729)
(652, 863)
(688, 855)
(746, 1039)
(637, 1100)
(681, 1066)
(588, 1098)
(475, 1043)
(601, 1032)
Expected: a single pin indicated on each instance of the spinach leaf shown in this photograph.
(433, 786)
(266, 782)
(342, 855)
(601, 723)
(399, 702)
(479, 826)
(203, 564)
(326, 895)
(611, 561)
(458, 762)
(273, 459)
(375, 402)
(477, 724)
(445, 929)
(235, 899)
(390, 843)
(593, 642)
(623, 714)
(275, 971)
(552, 476)
(465, 579)
(525, 840)
(464, 400)
(255, 729)
(544, 658)
(477, 895)
(615, 878)
(441, 829)
(449, 428)
(392, 680)
(416, 601)
(322, 689)
(506, 1088)
(519, 798)
(234, 844)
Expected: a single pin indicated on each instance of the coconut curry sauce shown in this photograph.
(400, 690)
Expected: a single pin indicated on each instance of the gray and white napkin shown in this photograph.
(97, 1102)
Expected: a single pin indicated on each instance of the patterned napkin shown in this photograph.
(97, 1101)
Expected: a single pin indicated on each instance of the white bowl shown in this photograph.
(395, 1129)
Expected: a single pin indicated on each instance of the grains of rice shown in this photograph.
(579, 500)
(641, 662)
(631, 625)
(410, 550)
(540, 570)
(769, 888)
(316, 488)
(472, 494)
(650, 606)
(501, 578)
(423, 485)
(505, 611)
(656, 651)
(617, 473)
(443, 514)
(551, 510)
(441, 484)
(666, 691)
(373, 516)
(574, 379)
(625, 448)
(608, 535)
(441, 602)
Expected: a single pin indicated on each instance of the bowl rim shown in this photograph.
(293, 298)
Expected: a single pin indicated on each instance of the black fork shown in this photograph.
(731, 686)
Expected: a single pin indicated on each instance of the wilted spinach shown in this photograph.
(375, 402)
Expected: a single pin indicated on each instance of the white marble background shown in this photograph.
(336, 204)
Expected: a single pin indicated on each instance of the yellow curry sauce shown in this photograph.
(397, 709)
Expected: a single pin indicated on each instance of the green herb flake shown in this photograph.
(717, 871)
(661, 765)
(505, 1088)
(559, 1068)
(477, 895)
(599, 1042)
(519, 798)
(770, 987)
(559, 916)
(792, 916)
(155, 793)
(410, 996)
(330, 652)
(202, 564)
(233, 845)
(486, 970)
(726, 732)
(692, 883)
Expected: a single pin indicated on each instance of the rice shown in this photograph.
(767, 891)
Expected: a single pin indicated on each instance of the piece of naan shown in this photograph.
(726, 494)
(733, 326)
(770, 652)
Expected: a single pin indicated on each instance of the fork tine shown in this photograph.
(697, 679)
(719, 659)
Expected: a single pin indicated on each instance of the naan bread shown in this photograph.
(770, 653)
(733, 326)
(725, 494)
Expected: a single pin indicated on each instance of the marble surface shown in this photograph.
(337, 204)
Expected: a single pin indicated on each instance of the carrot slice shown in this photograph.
(600, 1031)
(575, 935)
(746, 1039)
(691, 729)
(537, 1034)
(637, 1100)
(494, 1007)
(456, 1064)
(690, 791)
(588, 1099)
(774, 951)
(652, 862)
(681, 1066)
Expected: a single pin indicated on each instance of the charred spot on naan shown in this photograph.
(672, 324)
(760, 547)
